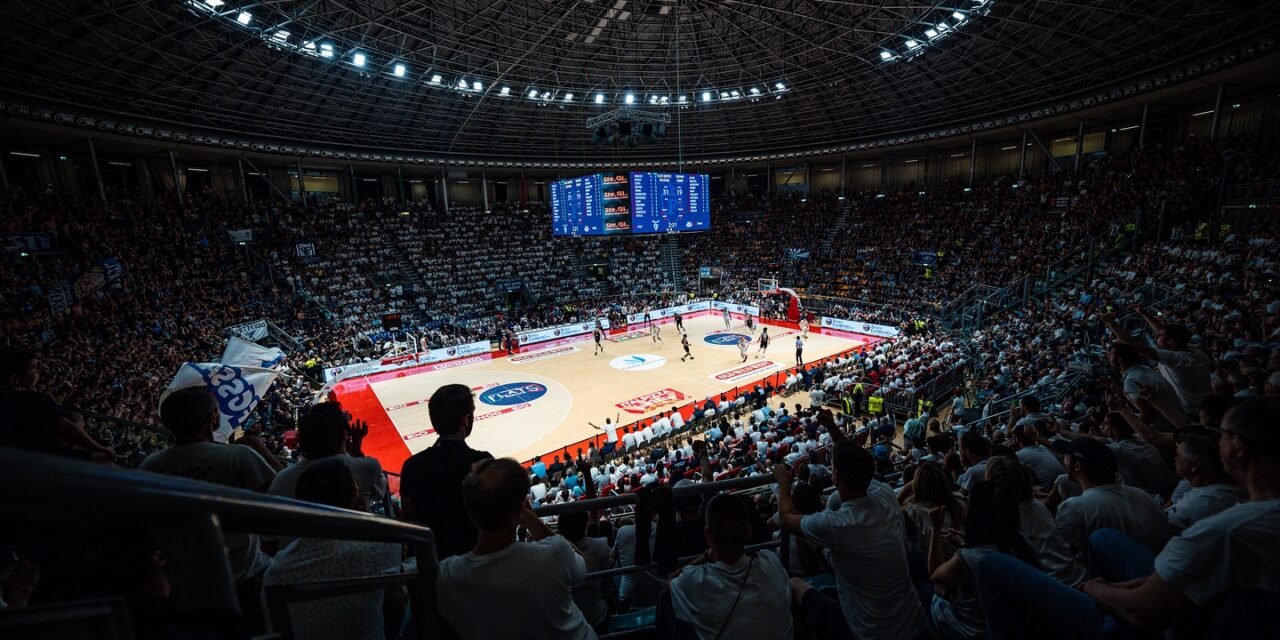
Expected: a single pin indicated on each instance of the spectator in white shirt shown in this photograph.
(592, 595)
(1105, 504)
(356, 616)
(1186, 368)
(532, 582)
(727, 592)
(1039, 459)
(974, 451)
(1206, 487)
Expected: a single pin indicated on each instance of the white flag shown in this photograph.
(237, 390)
(242, 353)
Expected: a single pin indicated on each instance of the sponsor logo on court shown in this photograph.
(455, 363)
(745, 371)
(541, 355)
(630, 335)
(725, 339)
(650, 401)
(480, 416)
(513, 393)
(638, 362)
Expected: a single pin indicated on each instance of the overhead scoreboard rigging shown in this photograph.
(631, 203)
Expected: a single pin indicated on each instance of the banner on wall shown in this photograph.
(562, 331)
(667, 312)
(63, 293)
(240, 235)
(305, 249)
(878, 330)
(251, 331)
(26, 242)
(744, 309)
(405, 361)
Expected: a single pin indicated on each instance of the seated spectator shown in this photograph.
(974, 451)
(1104, 503)
(865, 538)
(1206, 487)
(728, 592)
(930, 489)
(593, 595)
(532, 581)
(992, 526)
(1226, 563)
(323, 432)
(33, 420)
(1141, 464)
(331, 481)
(431, 480)
(1035, 523)
(1039, 459)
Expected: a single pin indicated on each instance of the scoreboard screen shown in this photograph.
(630, 203)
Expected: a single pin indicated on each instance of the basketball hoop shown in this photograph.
(767, 285)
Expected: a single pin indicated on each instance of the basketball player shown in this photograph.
(799, 352)
(598, 334)
(742, 347)
(764, 342)
(684, 342)
(655, 332)
(679, 323)
(804, 327)
(647, 318)
(751, 324)
(610, 429)
(727, 319)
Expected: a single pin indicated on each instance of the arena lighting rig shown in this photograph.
(628, 125)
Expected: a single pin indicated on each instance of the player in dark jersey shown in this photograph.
(679, 323)
(764, 342)
(751, 324)
(684, 342)
(598, 334)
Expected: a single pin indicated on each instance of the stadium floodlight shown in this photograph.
(942, 26)
(653, 99)
(533, 94)
(244, 18)
(911, 44)
(755, 91)
(214, 3)
(326, 50)
(780, 87)
(932, 33)
(599, 98)
(477, 86)
(724, 95)
(959, 17)
(462, 84)
(568, 97)
(280, 36)
(358, 59)
(546, 95)
(630, 98)
(505, 91)
(706, 96)
(399, 70)
(736, 93)
(885, 55)
(683, 99)
(436, 79)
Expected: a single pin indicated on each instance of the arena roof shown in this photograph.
(736, 77)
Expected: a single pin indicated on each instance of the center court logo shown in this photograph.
(725, 339)
(638, 362)
(513, 393)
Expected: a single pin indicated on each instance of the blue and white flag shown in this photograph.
(242, 353)
(798, 254)
(237, 390)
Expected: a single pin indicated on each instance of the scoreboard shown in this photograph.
(630, 203)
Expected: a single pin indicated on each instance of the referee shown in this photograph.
(799, 352)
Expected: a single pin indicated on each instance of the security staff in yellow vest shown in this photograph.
(924, 407)
(875, 405)
(849, 404)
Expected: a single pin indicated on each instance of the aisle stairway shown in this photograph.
(837, 227)
(671, 262)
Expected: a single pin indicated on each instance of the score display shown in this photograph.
(630, 203)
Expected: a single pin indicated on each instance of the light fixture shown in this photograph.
(736, 93)
(546, 95)
(683, 99)
(436, 79)
(568, 97)
(706, 96)
(932, 33)
(885, 55)
(959, 17)
(462, 83)
(399, 70)
(653, 99)
(780, 87)
(533, 93)
(477, 85)
(755, 91)
(326, 50)
(244, 18)
(280, 35)
(214, 3)
(358, 59)
(505, 91)
(911, 44)
(630, 99)
(599, 98)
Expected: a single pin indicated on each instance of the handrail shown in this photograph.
(749, 482)
(64, 488)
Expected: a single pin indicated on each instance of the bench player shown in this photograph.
(742, 347)
(764, 342)
(598, 334)
(655, 332)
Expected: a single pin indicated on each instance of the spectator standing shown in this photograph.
(323, 433)
(33, 420)
(431, 480)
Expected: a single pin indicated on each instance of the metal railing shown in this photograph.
(1253, 193)
(191, 517)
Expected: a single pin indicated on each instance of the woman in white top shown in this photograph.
(930, 488)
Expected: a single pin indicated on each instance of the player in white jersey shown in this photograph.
(742, 347)
(804, 327)
(727, 319)
(598, 334)
(764, 342)
(655, 333)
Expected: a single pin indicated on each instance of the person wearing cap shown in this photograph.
(1226, 565)
(1206, 487)
(1104, 503)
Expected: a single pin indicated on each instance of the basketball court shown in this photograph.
(539, 400)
